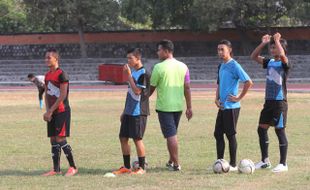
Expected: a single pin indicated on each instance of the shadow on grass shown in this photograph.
(99, 171)
(82, 171)
(21, 172)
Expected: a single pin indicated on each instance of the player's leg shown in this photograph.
(172, 145)
(262, 131)
(230, 118)
(169, 123)
(232, 150)
(219, 135)
(280, 116)
(56, 153)
(55, 149)
(173, 142)
(125, 151)
(137, 135)
(62, 141)
(140, 152)
(62, 124)
(124, 141)
(283, 146)
(41, 92)
(141, 157)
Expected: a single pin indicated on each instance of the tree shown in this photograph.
(158, 14)
(73, 16)
(240, 14)
(12, 16)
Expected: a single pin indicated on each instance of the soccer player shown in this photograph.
(275, 108)
(228, 100)
(39, 82)
(58, 114)
(134, 117)
(171, 79)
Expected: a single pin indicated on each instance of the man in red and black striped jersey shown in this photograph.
(58, 113)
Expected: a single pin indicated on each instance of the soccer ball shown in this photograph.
(135, 163)
(221, 166)
(246, 166)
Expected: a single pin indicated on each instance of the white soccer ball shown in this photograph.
(135, 163)
(221, 166)
(246, 166)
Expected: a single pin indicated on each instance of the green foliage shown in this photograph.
(12, 16)
(70, 15)
(162, 14)
(239, 13)
(99, 15)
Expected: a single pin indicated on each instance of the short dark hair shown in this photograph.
(137, 52)
(54, 51)
(227, 43)
(166, 45)
(283, 43)
(30, 75)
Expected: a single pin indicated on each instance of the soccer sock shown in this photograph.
(142, 162)
(232, 149)
(56, 152)
(220, 146)
(283, 145)
(41, 103)
(263, 142)
(127, 161)
(68, 152)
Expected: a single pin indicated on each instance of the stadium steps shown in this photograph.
(201, 68)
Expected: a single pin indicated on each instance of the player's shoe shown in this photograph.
(263, 165)
(138, 171)
(175, 168)
(233, 169)
(51, 173)
(71, 171)
(169, 164)
(122, 170)
(280, 168)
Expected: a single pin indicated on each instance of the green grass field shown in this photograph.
(25, 149)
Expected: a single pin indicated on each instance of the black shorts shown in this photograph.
(274, 113)
(226, 122)
(169, 122)
(133, 126)
(59, 126)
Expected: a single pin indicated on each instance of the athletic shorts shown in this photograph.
(133, 126)
(274, 113)
(226, 122)
(59, 126)
(169, 122)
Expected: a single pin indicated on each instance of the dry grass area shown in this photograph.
(25, 150)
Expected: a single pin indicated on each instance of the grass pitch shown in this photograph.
(25, 149)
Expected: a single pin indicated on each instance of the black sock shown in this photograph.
(56, 152)
(232, 149)
(283, 145)
(127, 161)
(263, 142)
(68, 152)
(142, 162)
(220, 145)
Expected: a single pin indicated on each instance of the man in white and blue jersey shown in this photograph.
(230, 73)
(275, 108)
(134, 117)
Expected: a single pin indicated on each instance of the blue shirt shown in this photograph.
(228, 80)
(276, 78)
(138, 104)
